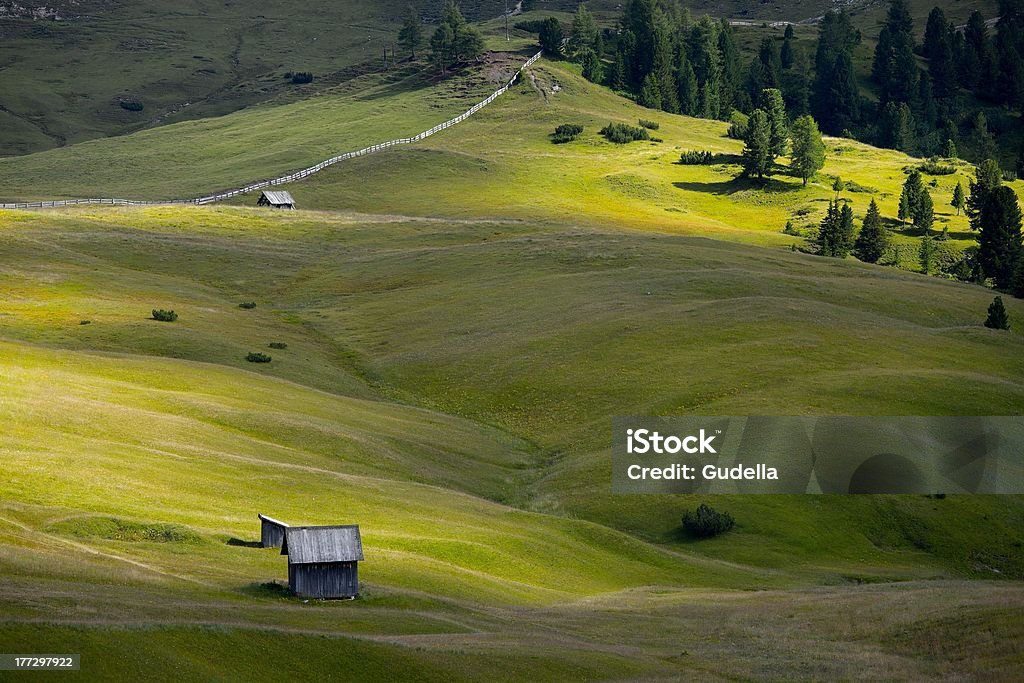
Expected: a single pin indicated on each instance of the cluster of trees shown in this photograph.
(669, 61)
(916, 203)
(454, 41)
(995, 214)
(768, 136)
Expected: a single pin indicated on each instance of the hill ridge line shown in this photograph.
(291, 177)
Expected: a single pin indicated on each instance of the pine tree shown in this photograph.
(873, 239)
(846, 232)
(775, 108)
(687, 90)
(551, 37)
(787, 56)
(584, 33)
(924, 214)
(904, 211)
(650, 93)
(913, 190)
(411, 35)
(999, 242)
(828, 231)
(758, 159)
(959, 199)
(593, 69)
(808, 154)
(950, 152)
(926, 254)
(987, 178)
(997, 317)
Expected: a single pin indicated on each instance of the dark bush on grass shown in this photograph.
(257, 357)
(164, 316)
(933, 167)
(277, 345)
(649, 125)
(300, 77)
(738, 122)
(621, 134)
(567, 132)
(706, 522)
(247, 305)
(690, 158)
(132, 104)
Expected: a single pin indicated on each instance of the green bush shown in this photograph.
(933, 167)
(567, 132)
(621, 134)
(649, 125)
(690, 158)
(247, 305)
(277, 345)
(164, 316)
(300, 77)
(131, 104)
(257, 357)
(706, 522)
(530, 25)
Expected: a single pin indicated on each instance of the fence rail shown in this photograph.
(291, 177)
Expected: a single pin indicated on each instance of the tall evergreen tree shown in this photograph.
(914, 193)
(808, 154)
(896, 127)
(959, 201)
(926, 254)
(835, 236)
(873, 239)
(787, 55)
(687, 89)
(987, 178)
(924, 215)
(732, 67)
(835, 95)
(411, 34)
(758, 159)
(775, 108)
(895, 67)
(551, 37)
(584, 33)
(999, 242)
(936, 28)
(650, 93)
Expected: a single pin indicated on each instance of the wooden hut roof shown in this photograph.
(312, 544)
(264, 518)
(278, 197)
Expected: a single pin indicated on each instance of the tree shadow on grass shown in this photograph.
(244, 544)
(740, 184)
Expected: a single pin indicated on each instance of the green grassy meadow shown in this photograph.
(463, 318)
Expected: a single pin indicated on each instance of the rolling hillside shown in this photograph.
(461, 320)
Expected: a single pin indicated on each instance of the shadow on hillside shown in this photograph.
(740, 184)
(243, 544)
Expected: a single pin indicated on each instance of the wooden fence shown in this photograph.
(291, 177)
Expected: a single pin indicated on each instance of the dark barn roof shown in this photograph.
(319, 544)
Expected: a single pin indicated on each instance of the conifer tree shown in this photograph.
(924, 214)
(808, 154)
(999, 242)
(959, 201)
(987, 178)
(997, 317)
(926, 254)
(775, 108)
(758, 159)
(873, 239)
(411, 35)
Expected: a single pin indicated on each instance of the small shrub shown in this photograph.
(706, 522)
(300, 77)
(257, 357)
(933, 167)
(530, 25)
(131, 104)
(85, 322)
(164, 316)
(567, 132)
(621, 134)
(247, 305)
(649, 125)
(791, 229)
(690, 158)
(277, 345)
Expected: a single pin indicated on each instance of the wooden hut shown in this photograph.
(278, 199)
(271, 532)
(323, 560)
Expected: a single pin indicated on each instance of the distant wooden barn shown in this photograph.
(271, 532)
(278, 199)
(323, 560)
